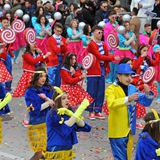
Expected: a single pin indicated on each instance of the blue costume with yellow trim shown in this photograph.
(37, 121)
(61, 137)
(146, 148)
(120, 116)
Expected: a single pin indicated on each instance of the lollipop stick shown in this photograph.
(2, 13)
(47, 34)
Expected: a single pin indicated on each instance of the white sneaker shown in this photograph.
(25, 123)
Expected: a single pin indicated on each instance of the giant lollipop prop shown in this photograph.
(6, 8)
(88, 61)
(57, 16)
(30, 36)
(112, 40)
(8, 36)
(18, 26)
(149, 75)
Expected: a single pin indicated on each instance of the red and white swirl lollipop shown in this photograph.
(149, 75)
(30, 36)
(18, 26)
(88, 61)
(112, 40)
(8, 36)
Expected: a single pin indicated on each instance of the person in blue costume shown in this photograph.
(38, 11)
(42, 28)
(86, 38)
(62, 125)
(38, 100)
(74, 33)
(5, 98)
(148, 147)
(121, 98)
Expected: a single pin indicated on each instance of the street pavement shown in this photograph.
(91, 146)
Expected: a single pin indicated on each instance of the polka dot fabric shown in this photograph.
(76, 94)
(23, 84)
(4, 74)
(141, 110)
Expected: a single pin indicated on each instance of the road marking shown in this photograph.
(10, 156)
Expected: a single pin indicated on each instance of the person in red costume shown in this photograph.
(140, 65)
(57, 47)
(5, 75)
(8, 63)
(31, 59)
(71, 74)
(96, 74)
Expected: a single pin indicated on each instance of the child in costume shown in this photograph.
(74, 34)
(62, 125)
(38, 11)
(5, 98)
(38, 100)
(125, 44)
(5, 75)
(140, 65)
(144, 38)
(96, 74)
(111, 27)
(148, 146)
(32, 58)
(7, 62)
(86, 39)
(42, 28)
(58, 47)
(71, 74)
(121, 99)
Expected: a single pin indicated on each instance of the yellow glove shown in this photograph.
(158, 152)
(62, 111)
(6, 100)
(81, 108)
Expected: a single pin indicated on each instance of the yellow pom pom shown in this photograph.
(158, 152)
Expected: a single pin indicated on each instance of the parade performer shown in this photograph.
(58, 47)
(42, 28)
(148, 146)
(19, 42)
(145, 37)
(71, 74)
(111, 27)
(31, 59)
(96, 74)
(140, 65)
(5, 75)
(125, 44)
(74, 34)
(38, 100)
(62, 125)
(5, 98)
(121, 98)
(86, 38)
(38, 11)
(7, 62)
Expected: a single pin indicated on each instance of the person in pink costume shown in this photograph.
(74, 34)
(42, 28)
(144, 38)
(111, 27)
